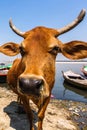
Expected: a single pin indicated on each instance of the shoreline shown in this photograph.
(70, 62)
(77, 113)
(77, 109)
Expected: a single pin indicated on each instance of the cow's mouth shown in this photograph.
(31, 92)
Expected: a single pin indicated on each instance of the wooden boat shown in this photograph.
(74, 79)
(84, 70)
(3, 72)
(3, 76)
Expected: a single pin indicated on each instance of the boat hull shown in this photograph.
(75, 80)
(3, 78)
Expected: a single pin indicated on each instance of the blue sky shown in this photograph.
(27, 14)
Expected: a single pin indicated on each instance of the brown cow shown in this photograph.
(33, 75)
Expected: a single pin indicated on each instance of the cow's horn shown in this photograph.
(72, 24)
(17, 31)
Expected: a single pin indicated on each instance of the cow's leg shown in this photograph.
(21, 109)
(41, 113)
(28, 110)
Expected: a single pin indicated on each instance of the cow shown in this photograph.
(32, 76)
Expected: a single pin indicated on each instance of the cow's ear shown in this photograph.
(74, 50)
(10, 49)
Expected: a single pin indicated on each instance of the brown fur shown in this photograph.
(39, 50)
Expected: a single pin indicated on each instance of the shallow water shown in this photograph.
(65, 91)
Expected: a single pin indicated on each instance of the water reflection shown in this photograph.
(73, 88)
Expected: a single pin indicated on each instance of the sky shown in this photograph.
(27, 14)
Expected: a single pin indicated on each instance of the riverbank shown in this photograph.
(60, 114)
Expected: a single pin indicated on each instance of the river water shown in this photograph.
(64, 91)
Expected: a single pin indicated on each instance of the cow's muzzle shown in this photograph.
(31, 86)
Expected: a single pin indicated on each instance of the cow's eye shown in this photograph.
(22, 51)
(54, 50)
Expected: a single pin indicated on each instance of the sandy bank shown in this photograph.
(60, 115)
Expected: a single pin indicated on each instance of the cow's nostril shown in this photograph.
(39, 83)
(23, 83)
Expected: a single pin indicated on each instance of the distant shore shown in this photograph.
(70, 62)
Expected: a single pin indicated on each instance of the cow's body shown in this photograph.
(33, 75)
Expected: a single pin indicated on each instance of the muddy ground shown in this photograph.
(60, 115)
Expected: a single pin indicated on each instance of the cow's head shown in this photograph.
(38, 50)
